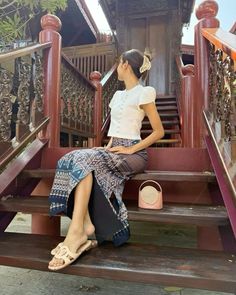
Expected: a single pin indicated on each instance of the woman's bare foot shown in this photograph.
(73, 241)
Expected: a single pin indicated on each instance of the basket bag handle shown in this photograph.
(150, 196)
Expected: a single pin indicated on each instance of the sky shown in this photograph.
(226, 15)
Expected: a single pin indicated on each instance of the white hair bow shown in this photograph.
(146, 65)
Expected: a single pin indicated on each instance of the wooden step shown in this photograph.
(165, 97)
(205, 176)
(163, 103)
(167, 131)
(164, 123)
(167, 141)
(133, 262)
(199, 215)
(167, 108)
(169, 115)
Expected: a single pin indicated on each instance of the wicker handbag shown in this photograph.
(150, 195)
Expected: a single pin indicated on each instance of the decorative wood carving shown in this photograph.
(23, 99)
(78, 97)
(222, 77)
(5, 105)
(38, 82)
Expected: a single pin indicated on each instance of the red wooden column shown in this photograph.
(95, 77)
(51, 25)
(206, 13)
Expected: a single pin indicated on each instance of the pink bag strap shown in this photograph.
(152, 181)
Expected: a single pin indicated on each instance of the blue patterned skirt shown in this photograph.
(110, 171)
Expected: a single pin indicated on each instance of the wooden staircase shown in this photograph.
(168, 111)
(137, 262)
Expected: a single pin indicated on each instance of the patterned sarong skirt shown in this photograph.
(110, 171)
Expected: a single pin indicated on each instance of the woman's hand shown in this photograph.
(122, 150)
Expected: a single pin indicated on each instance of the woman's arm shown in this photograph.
(157, 133)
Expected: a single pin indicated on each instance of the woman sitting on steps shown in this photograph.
(88, 183)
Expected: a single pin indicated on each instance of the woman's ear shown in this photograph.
(125, 64)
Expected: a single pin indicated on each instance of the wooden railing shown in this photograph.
(185, 99)
(221, 111)
(92, 57)
(215, 59)
(21, 98)
(78, 100)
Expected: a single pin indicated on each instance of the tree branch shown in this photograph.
(8, 5)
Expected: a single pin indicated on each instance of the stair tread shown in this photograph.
(167, 108)
(168, 115)
(167, 131)
(171, 213)
(164, 122)
(134, 262)
(207, 176)
(162, 103)
(162, 97)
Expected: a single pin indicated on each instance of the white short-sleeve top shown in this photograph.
(126, 114)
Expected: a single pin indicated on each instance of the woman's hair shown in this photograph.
(136, 59)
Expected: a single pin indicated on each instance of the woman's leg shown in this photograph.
(80, 222)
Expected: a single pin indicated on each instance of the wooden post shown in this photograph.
(188, 97)
(95, 77)
(206, 13)
(51, 25)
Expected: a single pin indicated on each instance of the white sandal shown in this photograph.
(68, 257)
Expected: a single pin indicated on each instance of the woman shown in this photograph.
(88, 184)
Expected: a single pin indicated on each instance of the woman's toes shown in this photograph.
(55, 262)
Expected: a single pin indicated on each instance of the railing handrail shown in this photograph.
(22, 144)
(20, 52)
(77, 71)
(223, 40)
(108, 75)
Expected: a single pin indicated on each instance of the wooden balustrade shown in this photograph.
(92, 57)
(21, 98)
(185, 91)
(217, 71)
(78, 101)
(220, 116)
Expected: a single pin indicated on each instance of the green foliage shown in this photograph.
(16, 14)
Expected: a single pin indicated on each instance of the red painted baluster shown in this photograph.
(96, 80)
(206, 13)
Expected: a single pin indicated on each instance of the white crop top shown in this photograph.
(126, 115)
